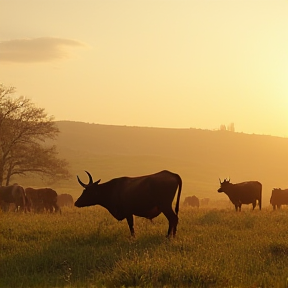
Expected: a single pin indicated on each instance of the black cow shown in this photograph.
(242, 193)
(65, 200)
(279, 197)
(13, 194)
(192, 201)
(144, 196)
(42, 199)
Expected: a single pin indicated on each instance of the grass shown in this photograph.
(87, 247)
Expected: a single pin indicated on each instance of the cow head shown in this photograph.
(87, 197)
(224, 185)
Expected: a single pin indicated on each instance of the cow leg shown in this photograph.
(254, 204)
(173, 221)
(240, 207)
(49, 208)
(130, 222)
(5, 207)
(57, 208)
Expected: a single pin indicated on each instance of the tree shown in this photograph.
(222, 127)
(231, 127)
(24, 130)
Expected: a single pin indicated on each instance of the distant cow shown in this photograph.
(13, 194)
(279, 197)
(204, 201)
(65, 200)
(192, 201)
(242, 193)
(143, 196)
(42, 198)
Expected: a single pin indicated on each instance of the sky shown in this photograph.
(153, 63)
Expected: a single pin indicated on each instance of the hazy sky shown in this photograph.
(156, 63)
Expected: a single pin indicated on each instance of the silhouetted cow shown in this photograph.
(192, 201)
(42, 198)
(13, 194)
(36, 203)
(204, 201)
(143, 196)
(242, 193)
(279, 197)
(65, 200)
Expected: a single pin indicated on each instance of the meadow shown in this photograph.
(214, 246)
(87, 247)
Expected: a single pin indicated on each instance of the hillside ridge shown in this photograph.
(199, 156)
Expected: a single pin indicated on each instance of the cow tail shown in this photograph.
(260, 200)
(179, 194)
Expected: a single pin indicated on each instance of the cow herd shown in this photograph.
(33, 200)
(194, 201)
(148, 196)
(243, 193)
(144, 196)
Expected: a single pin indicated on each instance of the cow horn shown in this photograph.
(81, 183)
(90, 178)
(220, 180)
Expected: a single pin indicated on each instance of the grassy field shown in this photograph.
(87, 247)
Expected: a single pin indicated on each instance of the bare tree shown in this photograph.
(24, 129)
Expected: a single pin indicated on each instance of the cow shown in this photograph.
(144, 196)
(204, 201)
(12, 194)
(242, 193)
(279, 197)
(192, 201)
(42, 199)
(65, 200)
(36, 203)
(27, 203)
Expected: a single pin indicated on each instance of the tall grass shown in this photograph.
(87, 247)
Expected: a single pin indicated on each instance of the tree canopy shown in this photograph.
(24, 130)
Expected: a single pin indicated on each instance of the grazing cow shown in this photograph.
(13, 194)
(27, 203)
(143, 196)
(279, 197)
(242, 193)
(192, 201)
(204, 201)
(42, 198)
(65, 200)
(36, 203)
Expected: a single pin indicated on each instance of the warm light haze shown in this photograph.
(161, 63)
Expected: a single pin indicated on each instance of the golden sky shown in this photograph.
(156, 63)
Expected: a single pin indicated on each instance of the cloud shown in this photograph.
(44, 49)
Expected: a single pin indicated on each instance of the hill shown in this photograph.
(201, 157)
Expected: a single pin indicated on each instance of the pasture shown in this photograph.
(87, 247)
